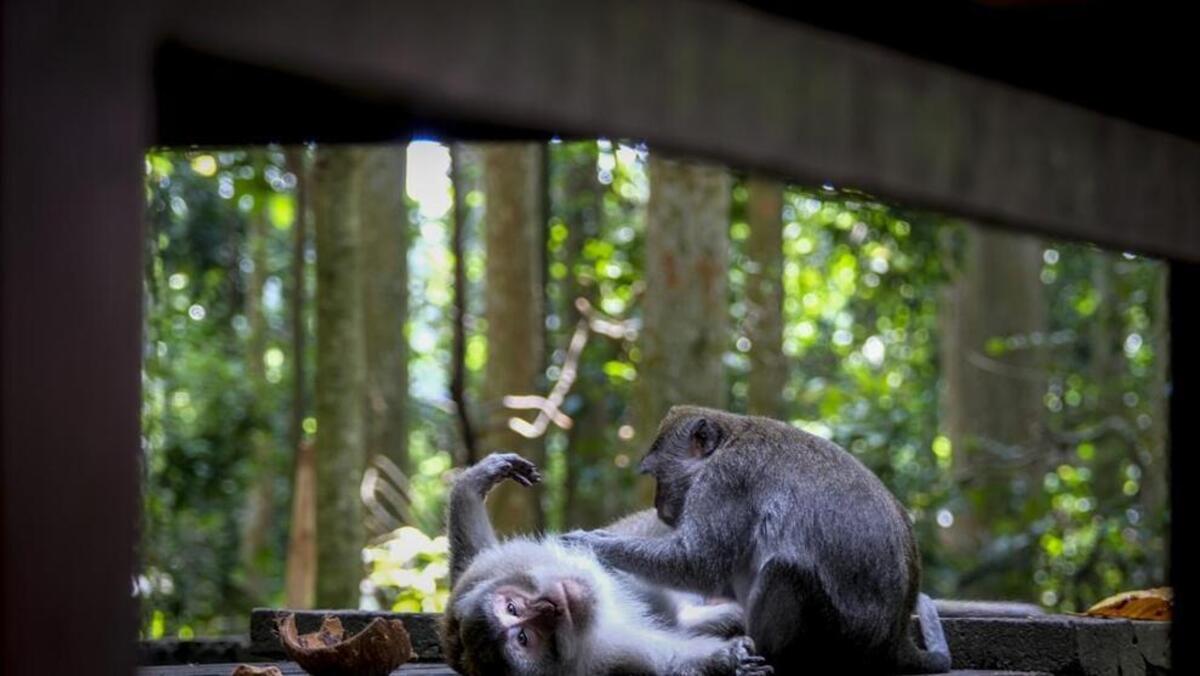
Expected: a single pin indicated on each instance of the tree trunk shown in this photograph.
(300, 575)
(458, 348)
(256, 522)
(686, 324)
(300, 580)
(993, 319)
(1106, 362)
(340, 378)
(384, 223)
(1155, 490)
(515, 318)
(764, 298)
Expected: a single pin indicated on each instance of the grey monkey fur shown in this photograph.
(809, 541)
(621, 626)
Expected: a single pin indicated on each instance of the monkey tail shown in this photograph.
(935, 658)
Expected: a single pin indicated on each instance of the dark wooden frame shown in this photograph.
(87, 86)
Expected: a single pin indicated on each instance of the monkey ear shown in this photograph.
(706, 436)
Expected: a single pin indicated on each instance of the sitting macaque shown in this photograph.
(538, 606)
(809, 541)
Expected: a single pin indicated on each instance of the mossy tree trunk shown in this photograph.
(686, 326)
(256, 521)
(300, 573)
(384, 223)
(340, 377)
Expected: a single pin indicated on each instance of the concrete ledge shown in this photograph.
(1051, 644)
(292, 669)
(193, 651)
(1060, 644)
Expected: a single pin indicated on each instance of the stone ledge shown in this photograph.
(1051, 644)
(1060, 644)
(193, 651)
(292, 669)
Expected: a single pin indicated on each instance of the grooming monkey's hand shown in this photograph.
(595, 539)
(747, 662)
(497, 467)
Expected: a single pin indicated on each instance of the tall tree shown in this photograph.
(686, 325)
(1155, 491)
(340, 377)
(458, 348)
(764, 297)
(1106, 361)
(300, 573)
(384, 222)
(260, 499)
(994, 318)
(514, 313)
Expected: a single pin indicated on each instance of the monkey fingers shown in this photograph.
(511, 466)
(587, 538)
(749, 663)
(575, 537)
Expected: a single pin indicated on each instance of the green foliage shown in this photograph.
(594, 252)
(1101, 522)
(409, 572)
(201, 412)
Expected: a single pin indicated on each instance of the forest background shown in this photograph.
(331, 330)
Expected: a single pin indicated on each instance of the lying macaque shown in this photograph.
(538, 606)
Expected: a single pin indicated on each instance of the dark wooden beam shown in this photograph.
(724, 81)
(71, 202)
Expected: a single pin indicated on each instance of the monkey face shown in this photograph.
(530, 626)
(686, 439)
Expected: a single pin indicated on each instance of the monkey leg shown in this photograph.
(725, 620)
(792, 620)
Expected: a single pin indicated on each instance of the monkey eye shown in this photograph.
(522, 638)
(512, 609)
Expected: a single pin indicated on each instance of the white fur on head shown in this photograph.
(618, 620)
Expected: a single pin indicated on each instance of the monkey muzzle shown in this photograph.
(544, 614)
(568, 602)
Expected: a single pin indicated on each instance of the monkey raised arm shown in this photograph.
(469, 528)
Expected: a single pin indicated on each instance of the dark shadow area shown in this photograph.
(259, 105)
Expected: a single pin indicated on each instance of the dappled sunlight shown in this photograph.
(409, 573)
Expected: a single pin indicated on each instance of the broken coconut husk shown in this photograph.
(248, 670)
(375, 651)
(1145, 604)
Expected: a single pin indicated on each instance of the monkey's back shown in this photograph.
(828, 524)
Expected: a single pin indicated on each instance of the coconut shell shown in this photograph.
(377, 650)
(1146, 604)
(247, 670)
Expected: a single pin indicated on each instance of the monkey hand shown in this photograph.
(746, 661)
(500, 466)
(592, 539)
